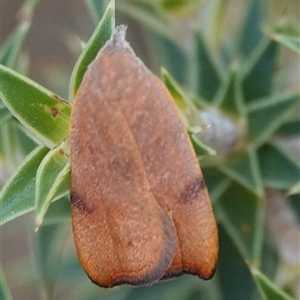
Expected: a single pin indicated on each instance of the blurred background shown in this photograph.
(54, 41)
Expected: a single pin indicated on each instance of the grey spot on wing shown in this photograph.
(192, 190)
(78, 203)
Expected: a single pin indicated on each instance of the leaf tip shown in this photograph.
(38, 223)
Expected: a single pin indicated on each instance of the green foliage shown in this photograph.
(100, 36)
(34, 99)
(238, 84)
(4, 290)
(17, 197)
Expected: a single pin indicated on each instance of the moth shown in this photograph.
(140, 208)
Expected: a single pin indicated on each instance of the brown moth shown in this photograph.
(140, 207)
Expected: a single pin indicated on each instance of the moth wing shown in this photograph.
(172, 168)
(121, 233)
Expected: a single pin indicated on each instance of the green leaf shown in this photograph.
(17, 196)
(285, 34)
(278, 169)
(49, 242)
(295, 189)
(100, 36)
(189, 114)
(14, 145)
(214, 23)
(180, 9)
(52, 173)
(268, 289)
(147, 13)
(11, 48)
(205, 76)
(251, 33)
(257, 82)
(189, 111)
(234, 276)
(200, 148)
(187, 288)
(178, 5)
(9, 53)
(4, 290)
(290, 128)
(217, 183)
(229, 96)
(294, 201)
(97, 8)
(171, 56)
(240, 211)
(5, 115)
(267, 115)
(290, 42)
(59, 211)
(45, 115)
(16, 142)
(250, 179)
(270, 259)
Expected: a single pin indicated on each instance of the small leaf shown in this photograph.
(250, 179)
(285, 34)
(183, 288)
(100, 36)
(257, 82)
(11, 145)
(4, 290)
(17, 196)
(205, 76)
(45, 115)
(59, 211)
(268, 289)
(234, 276)
(180, 8)
(267, 115)
(295, 189)
(217, 183)
(240, 211)
(251, 33)
(290, 42)
(52, 173)
(10, 52)
(290, 128)
(49, 241)
(147, 13)
(189, 111)
(200, 148)
(5, 115)
(229, 96)
(171, 56)
(11, 48)
(294, 201)
(278, 169)
(97, 8)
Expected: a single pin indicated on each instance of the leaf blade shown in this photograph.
(17, 196)
(45, 115)
(268, 289)
(52, 173)
(101, 34)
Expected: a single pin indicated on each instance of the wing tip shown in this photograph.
(117, 42)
